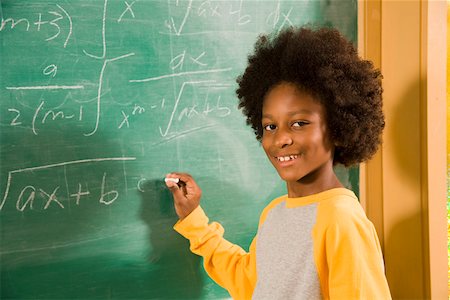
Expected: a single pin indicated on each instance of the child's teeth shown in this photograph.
(287, 158)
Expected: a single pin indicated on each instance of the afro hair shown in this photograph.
(326, 65)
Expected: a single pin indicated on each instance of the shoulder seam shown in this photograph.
(269, 207)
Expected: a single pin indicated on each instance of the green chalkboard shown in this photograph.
(98, 101)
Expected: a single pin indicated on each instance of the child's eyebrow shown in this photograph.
(303, 111)
(292, 113)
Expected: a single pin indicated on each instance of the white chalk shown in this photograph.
(176, 180)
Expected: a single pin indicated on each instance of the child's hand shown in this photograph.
(186, 194)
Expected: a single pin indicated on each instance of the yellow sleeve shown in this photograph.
(351, 263)
(227, 264)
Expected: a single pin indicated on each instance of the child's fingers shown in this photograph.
(186, 186)
(185, 191)
(178, 195)
(185, 180)
(178, 187)
(184, 177)
(172, 185)
(190, 187)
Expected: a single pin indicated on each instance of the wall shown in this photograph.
(403, 187)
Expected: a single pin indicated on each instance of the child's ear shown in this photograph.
(337, 144)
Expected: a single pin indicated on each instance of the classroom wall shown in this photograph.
(448, 142)
(403, 187)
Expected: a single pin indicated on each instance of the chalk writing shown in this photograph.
(208, 9)
(55, 17)
(178, 61)
(46, 87)
(242, 19)
(204, 110)
(50, 70)
(177, 101)
(79, 194)
(137, 110)
(28, 197)
(230, 11)
(181, 74)
(14, 121)
(14, 23)
(128, 9)
(29, 193)
(197, 90)
(177, 29)
(106, 61)
(42, 115)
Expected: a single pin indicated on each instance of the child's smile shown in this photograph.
(287, 157)
(295, 137)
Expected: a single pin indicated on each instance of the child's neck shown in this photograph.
(310, 186)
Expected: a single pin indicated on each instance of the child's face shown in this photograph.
(295, 136)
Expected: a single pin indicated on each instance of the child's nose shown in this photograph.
(283, 138)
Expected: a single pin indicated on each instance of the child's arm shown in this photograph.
(227, 264)
(356, 268)
(349, 256)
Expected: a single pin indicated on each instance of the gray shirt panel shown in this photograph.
(285, 255)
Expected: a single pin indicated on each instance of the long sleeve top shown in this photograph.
(315, 247)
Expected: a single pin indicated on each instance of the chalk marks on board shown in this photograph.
(242, 19)
(100, 89)
(178, 61)
(52, 18)
(106, 61)
(46, 87)
(30, 193)
(137, 110)
(209, 104)
(180, 74)
(199, 86)
(212, 9)
(177, 29)
(235, 10)
(43, 115)
(278, 18)
(186, 63)
(188, 112)
(128, 10)
(50, 70)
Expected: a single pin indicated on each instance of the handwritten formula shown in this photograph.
(145, 73)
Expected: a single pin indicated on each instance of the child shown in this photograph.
(312, 103)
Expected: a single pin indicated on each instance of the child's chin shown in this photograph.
(289, 177)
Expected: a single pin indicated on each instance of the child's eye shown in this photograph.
(270, 127)
(299, 124)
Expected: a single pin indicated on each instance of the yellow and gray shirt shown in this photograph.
(316, 247)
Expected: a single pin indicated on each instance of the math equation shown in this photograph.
(83, 76)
